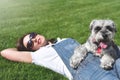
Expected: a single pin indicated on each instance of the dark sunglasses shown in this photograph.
(30, 43)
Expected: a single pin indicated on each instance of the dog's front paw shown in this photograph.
(79, 54)
(107, 62)
(74, 62)
(106, 66)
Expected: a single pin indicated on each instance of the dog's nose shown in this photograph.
(105, 35)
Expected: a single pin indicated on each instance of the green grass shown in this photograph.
(52, 18)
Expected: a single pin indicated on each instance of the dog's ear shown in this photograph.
(91, 24)
(114, 25)
(115, 30)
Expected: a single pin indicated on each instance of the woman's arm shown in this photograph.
(18, 56)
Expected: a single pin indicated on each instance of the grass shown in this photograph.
(52, 18)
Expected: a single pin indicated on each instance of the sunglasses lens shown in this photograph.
(32, 35)
(30, 43)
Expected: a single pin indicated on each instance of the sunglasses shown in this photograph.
(30, 43)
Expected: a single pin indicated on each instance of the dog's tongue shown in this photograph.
(103, 45)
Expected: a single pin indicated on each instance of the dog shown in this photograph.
(100, 43)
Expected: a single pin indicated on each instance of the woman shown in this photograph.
(55, 55)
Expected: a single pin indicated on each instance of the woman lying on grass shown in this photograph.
(55, 55)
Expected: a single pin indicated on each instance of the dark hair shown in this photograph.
(20, 46)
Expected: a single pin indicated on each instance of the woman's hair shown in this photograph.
(20, 46)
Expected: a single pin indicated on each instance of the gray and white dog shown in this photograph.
(100, 43)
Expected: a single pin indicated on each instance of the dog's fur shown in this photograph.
(100, 43)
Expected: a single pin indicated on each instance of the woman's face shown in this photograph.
(34, 41)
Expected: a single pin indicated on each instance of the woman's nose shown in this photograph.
(34, 40)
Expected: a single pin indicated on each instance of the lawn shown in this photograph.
(51, 18)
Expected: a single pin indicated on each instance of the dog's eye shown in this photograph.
(109, 28)
(98, 28)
